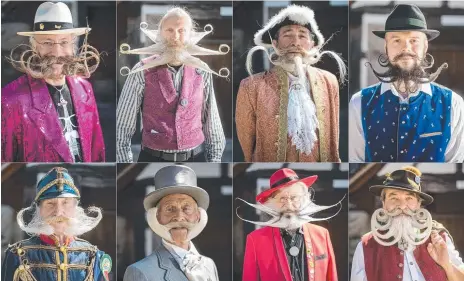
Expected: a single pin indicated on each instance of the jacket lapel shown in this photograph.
(170, 265)
(165, 83)
(282, 82)
(319, 98)
(84, 113)
(43, 114)
(190, 81)
(282, 257)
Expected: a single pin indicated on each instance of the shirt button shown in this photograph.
(401, 151)
(404, 108)
(411, 263)
(402, 137)
(400, 265)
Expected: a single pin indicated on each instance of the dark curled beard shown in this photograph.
(413, 78)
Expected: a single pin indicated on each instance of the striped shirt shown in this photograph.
(130, 105)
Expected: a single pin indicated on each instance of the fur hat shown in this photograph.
(292, 15)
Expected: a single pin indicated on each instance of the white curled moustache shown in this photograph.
(194, 229)
(309, 58)
(77, 225)
(290, 220)
(185, 54)
(406, 227)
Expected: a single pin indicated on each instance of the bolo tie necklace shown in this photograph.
(294, 251)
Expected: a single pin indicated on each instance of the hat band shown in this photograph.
(285, 180)
(404, 23)
(52, 25)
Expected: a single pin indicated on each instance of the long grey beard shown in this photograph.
(290, 220)
(406, 228)
(77, 225)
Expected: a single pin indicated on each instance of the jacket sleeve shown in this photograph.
(134, 274)
(335, 111)
(245, 120)
(332, 266)
(250, 263)
(9, 142)
(9, 266)
(98, 144)
(98, 275)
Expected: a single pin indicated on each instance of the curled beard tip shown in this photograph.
(208, 28)
(224, 46)
(124, 48)
(124, 71)
(143, 25)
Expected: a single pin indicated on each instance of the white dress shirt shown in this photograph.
(455, 149)
(411, 270)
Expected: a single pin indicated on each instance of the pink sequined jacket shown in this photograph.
(31, 131)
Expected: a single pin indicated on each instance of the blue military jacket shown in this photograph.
(33, 259)
(418, 131)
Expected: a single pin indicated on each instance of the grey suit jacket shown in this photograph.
(159, 266)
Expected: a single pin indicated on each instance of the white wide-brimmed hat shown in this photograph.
(176, 179)
(54, 18)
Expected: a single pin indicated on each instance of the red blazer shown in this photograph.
(265, 258)
(31, 131)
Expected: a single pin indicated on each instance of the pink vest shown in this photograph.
(386, 263)
(171, 121)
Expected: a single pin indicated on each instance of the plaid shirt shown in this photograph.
(130, 104)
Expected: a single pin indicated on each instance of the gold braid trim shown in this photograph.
(283, 119)
(59, 182)
(54, 248)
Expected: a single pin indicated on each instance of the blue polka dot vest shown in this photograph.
(418, 131)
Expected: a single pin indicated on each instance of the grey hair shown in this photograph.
(179, 13)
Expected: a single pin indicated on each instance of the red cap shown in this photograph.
(283, 178)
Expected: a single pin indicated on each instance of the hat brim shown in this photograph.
(263, 196)
(75, 31)
(197, 193)
(430, 33)
(377, 190)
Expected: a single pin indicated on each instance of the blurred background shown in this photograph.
(96, 183)
(330, 187)
(136, 240)
(444, 16)
(445, 182)
(332, 19)
(218, 14)
(101, 15)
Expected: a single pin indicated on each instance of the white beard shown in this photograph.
(164, 230)
(407, 230)
(77, 225)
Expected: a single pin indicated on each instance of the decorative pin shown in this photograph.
(294, 251)
(41, 26)
(417, 179)
(105, 266)
(57, 26)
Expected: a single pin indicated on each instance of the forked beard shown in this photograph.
(76, 226)
(406, 228)
(193, 229)
(290, 219)
(412, 78)
(83, 64)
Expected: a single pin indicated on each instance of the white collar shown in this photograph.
(174, 69)
(426, 88)
(180, 251)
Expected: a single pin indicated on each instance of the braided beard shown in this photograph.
(412, 78)
(406, 228)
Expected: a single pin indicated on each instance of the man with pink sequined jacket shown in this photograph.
(173, 91)
(49, 114)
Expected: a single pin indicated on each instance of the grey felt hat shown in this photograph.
(176, 179)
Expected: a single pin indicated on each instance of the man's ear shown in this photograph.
(274, 43)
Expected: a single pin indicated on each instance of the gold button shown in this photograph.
(62, 266)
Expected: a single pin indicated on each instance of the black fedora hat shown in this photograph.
(403, 180)
(406, 17)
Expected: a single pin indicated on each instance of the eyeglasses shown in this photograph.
(50, 44)
(292, 198)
